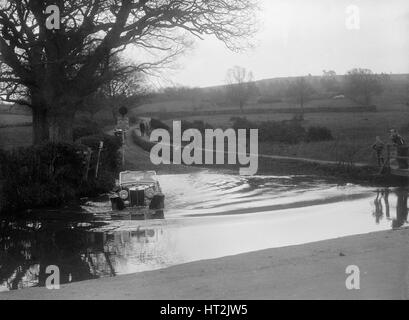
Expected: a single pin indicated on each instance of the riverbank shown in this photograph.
(361, 174)
(139, 159)
(310, 271)
(337, 173)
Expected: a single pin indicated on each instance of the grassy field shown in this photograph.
(14, 120)
(354, 134)
(354, 131)
(15, 137)
(15, 128)
(15, 109)
(191, 106)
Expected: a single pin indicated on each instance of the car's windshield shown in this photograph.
(135, 176)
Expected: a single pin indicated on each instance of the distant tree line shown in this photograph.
(359, 85)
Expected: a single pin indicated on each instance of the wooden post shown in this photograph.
(89, 155)
(101, 145)
(123, 149)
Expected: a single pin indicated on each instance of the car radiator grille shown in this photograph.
(137, 198)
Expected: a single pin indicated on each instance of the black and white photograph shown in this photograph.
(211, 152)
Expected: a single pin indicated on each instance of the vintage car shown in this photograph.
(119, 133)
(137, 189)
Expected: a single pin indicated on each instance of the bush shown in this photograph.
(316, 134)
(290, 132)
(157, 124)
(3, 157)
(197, 124)
(242, 123)
(273, 131)
(80, 132)
(50, 175)
(284, 132)
(144, 144)
(404, 129)
(85, 128)
(133, 119)
(109, 164)
(269, 100)
(347, 152)
(45, 175)
(94, 187)
(110, 159)
(298, 117)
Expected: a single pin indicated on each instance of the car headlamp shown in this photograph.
(124, 194)
(149, 193)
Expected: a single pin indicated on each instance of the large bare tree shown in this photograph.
(329, 81)
(240, 86)
(126, 89)
(53, 70)
(362, 84)
(301, 91)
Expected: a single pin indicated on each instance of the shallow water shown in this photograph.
(208, 215)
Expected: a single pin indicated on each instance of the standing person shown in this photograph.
(379, 147)
(402, 151)
(396, 138)
(142, 127)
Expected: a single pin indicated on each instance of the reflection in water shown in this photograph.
(401, 209)
(28, 247)
(207, 216)
(382, 201)
(378, 213)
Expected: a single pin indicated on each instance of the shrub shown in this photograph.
(45, 175)
(133, 119)
(284, 132)
(273, 131)
(94, 187)
(109, 164)
(80, 132)
(157, 124)
(242, 123)
(315, 134)
(50, 175)
(3, 156)
(269, 100)
(85, 128)
(405, 128)
(110, 155)
(298, 117)
(347, 152)
(197, 124)
(290, 132)
(144, 144)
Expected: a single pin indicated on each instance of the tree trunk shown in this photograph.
(40, 126)
(114, 115)
(302, 108)
(61, 127)
(242, 107)
(368, 99)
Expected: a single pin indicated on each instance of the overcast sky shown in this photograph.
(300, 37)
